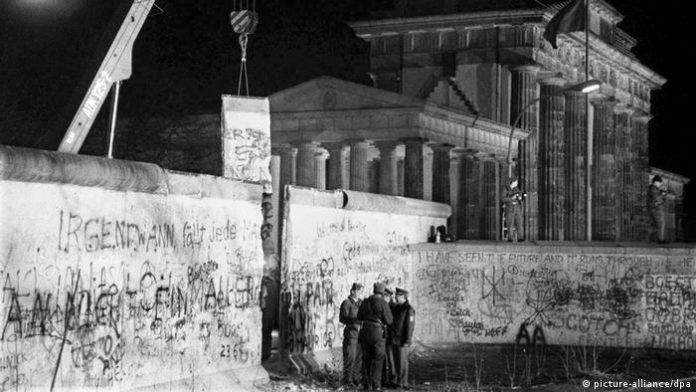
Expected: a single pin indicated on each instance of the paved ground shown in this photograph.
(507, 368)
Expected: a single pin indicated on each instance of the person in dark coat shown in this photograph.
(513, 210)
(656, 208)
(348, 315)
(388, 375)
(402, 334)
(376, 318)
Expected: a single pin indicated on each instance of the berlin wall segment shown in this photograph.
(125, 289)
(634, 297)
(326, 249)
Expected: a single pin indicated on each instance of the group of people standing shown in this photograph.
(377, 337)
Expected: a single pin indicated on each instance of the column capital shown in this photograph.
(284, 149)
(622, 108)
(526, 68)
(441, 147)
(484, 157)
(334, 145)
(413, 140)
(603, 101)
(321, 153)
(386, 144)
(356, 141)
(642, 117)
(553, 81)
(458, 153)
(305, 144)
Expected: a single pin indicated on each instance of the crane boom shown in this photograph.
(115, 67)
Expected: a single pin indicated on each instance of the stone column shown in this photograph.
(373, 167)
(551, 160)
(624, 183)
(413, 168)
(337, 163)
(604, 223)
(346, 169)
(388, 181)
(288, 176)
(471, 197)
(525, 90)
(400, 165)
(641, 176)
(456, 192)
(359, 175)
(490, 178)
(441, 172)
(306, 164)
(575, 154)
(427, 173)
(320, 168)
(288, 165)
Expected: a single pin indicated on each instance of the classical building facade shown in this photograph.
(449, 79)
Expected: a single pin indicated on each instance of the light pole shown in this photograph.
(585, 88)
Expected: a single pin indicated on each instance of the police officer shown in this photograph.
(656, 208)
(513, 210)
(351, 353)
(402, 333)
(376, 318)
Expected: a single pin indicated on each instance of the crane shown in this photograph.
(115, 67)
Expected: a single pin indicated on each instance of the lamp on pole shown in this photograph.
(584, 87)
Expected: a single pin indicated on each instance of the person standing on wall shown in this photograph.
(388, 374)
(376, 318)
(351, 354)
(402, 334)
(656, 207)
(513, 200)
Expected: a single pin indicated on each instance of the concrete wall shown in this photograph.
(334, 238)
(561, 295)
(121, 275)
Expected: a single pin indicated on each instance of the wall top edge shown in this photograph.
(41, 166)
(362, 201)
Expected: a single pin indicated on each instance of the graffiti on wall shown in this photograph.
(670, 310)
(326, 250)
(102, 299)
(587, 299)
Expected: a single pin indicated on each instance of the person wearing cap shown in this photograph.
(376, 318)
(402, 334)
(513, 210)
(656, 208)
(349, 317)
(389, 375)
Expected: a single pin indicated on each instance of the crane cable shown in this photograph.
(244, 22)
(243, 40)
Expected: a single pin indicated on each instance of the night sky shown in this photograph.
(187, 55)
